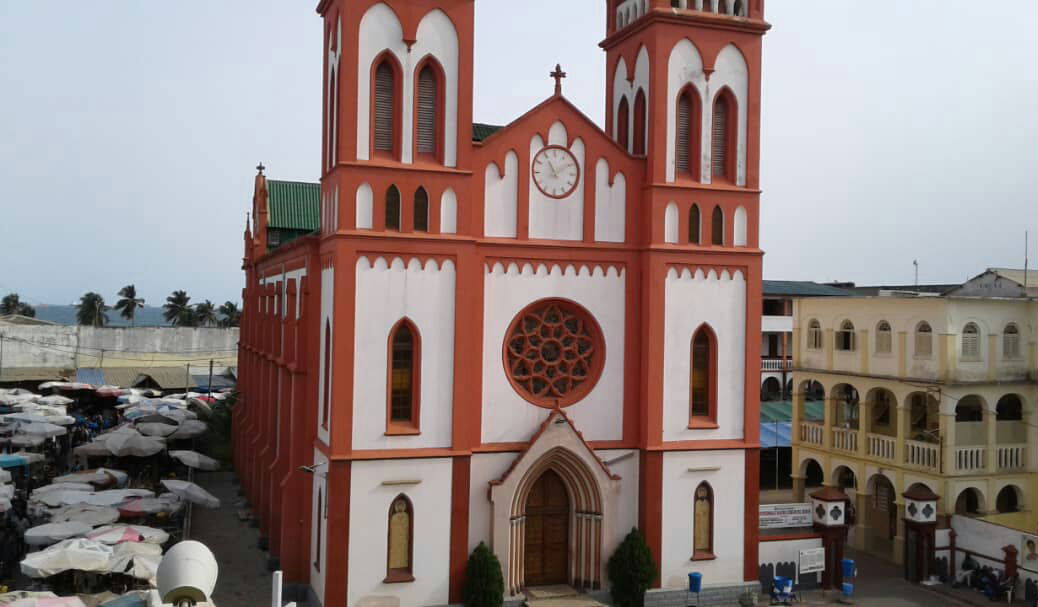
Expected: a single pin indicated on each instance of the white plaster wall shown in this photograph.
(370, 500)
(625, 465)
(387, 291)
(670, 223)
(740, 227)
(610, 203)
(680, 481)
(690, 301)
(319, 524)
(685, 66)
(365, 204)
(507, 416)
(558, 219)
(485, 467)
(448, 212)
(621, 91)
(501, 198)
(787, 551)
(327, 316)
(730, 71)
(380, 30)
(627, 88)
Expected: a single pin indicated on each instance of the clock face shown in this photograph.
(555, 171)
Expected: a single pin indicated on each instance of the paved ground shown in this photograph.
(244, 580)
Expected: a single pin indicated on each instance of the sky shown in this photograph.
(129, 132)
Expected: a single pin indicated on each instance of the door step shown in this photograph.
(558, 596)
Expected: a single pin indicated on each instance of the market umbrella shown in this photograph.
(42, 429)
(136, 559)
(115, 534)
(14, 399)
(193, 459)
(100, 477)
(113, 497)
(44, 535)
(156, 429)
(61, 486)
(94, 516)
(12, 461)
(43, 599)
(29, 457)
(63, 497)
(72, 554)
(133, 445)
(155, 418)
(191, 492)
(65, 385)
(25, 417)
(27, 440)
(94, 449)
(189, 429)
(136, 508)
(55, 399)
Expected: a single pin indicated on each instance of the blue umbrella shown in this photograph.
(12, 461)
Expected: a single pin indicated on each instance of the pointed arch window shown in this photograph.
(703, 397)
(971, 342)
(884, 338)
(703, 523)
(694, 228)
(720, 136)
(427, 110)
(923, 340)
(686, 143)
(1011, 341)
(814, 335)
(404, 374)
(385, 109)
(717, 227)
(326, 380)
(393, 208)
(623, 112)
(421, 210)
(400, 549)
(639, 123)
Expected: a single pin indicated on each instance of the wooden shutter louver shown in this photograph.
(684, 124)
(385, 93)
(719, 138)
(427, 111)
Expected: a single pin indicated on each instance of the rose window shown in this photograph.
(554, 352)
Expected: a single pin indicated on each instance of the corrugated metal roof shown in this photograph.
(801, 288)
(294, 205)
(20, 374)
(220, 382)
(482, 131)
(1030, 278)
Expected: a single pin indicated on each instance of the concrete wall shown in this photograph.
(70, 347)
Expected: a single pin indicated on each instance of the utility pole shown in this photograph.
(1, 354)
(915, 262)
(210, 377)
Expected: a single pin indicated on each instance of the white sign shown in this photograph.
(812, 561)
(781, 516)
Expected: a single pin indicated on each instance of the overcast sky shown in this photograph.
(129, 132)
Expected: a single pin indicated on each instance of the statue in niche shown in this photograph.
(400, 535)
(703, 520)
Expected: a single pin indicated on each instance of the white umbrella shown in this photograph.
(27, 440)
(77, 553)
(117, 534)
(29, 457)
(44, 535)
(189, 429)
(55, 399)
(62, 497)
(25, 417)
(42, 429)
(99, 476)
(192, 493)
(136, 559)
(133, 445)
(149, 505)
(61, 486)
(5, 476)
(90, 515)
(14, 399)
(94, 449)
(156, 429)
(113, 497)
(193, 459)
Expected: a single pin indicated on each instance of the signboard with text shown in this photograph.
(812, 561)
(781, 516)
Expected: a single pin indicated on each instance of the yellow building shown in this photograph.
(919, 388)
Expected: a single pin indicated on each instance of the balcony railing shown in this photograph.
(922, 455)
(1011, 457)
(776, 364)
(882, 446)
(970, 459)
(811, 433)
(845, 439)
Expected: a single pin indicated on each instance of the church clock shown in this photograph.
(555, 172)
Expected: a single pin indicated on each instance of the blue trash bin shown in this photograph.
(847, 589)
(695, 582)
(849, 570)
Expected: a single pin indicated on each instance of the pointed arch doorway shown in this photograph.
(547, 532)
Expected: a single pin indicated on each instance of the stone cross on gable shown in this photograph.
(558, 75)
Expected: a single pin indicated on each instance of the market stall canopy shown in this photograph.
(156, 429)
(42, 429)
(115, 534)
(133, 445)
(73, 554)
(45, 535)
(55, 399)
(192, 493)
(189, 429)
(95, 449)
(100, 477)
(94, 516)
(193, 459)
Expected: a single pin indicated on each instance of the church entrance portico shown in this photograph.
(553, 512)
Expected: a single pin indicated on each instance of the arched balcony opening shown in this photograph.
(1009, 499)
(846, 418)
(969, 503)
(809, 399)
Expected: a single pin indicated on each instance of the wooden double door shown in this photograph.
(547, 532)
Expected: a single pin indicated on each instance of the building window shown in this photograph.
(385, 107)
(421, 210)
(720, 134)
(427, 111)
(639, 123)
(694, 230)
(622, 123)
(393, 208)
(923, 340)
(884, 338)
(704, 377)
(1011, 341)
(320, 529)
(814, 335)
(969, 409)
(1009, 409)
(717, 227)
(326, 391)
(703, 523)
(740, 9)
(404, 374)
(686, 144)
(400, 551)
(971, 342)
(845, 337)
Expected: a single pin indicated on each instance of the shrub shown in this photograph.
(484, 584)
(631, 571)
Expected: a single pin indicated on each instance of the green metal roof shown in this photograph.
(482, 131)
(294, 205)
(802, 288)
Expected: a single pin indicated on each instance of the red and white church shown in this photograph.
(535, 336)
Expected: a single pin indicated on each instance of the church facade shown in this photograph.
(536, 336)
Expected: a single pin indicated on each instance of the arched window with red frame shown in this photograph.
(623, 131)
(686, 143)
(428, 135)
(723, 128)
(639, 123)
(385, 108)
(326, 380)
(405, 358)
(703, 388)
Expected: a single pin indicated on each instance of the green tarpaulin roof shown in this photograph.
(294, 205)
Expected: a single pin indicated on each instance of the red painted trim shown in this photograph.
(786, 537)
(461, 479)
(650, 505)
(751, 516)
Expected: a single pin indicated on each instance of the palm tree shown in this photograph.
(12, 304)
(231, 315)
(178, 310)
(129, 303)
(91, 310)
(205, 314)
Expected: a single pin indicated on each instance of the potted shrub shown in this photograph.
(631, 571)
(484, 583)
